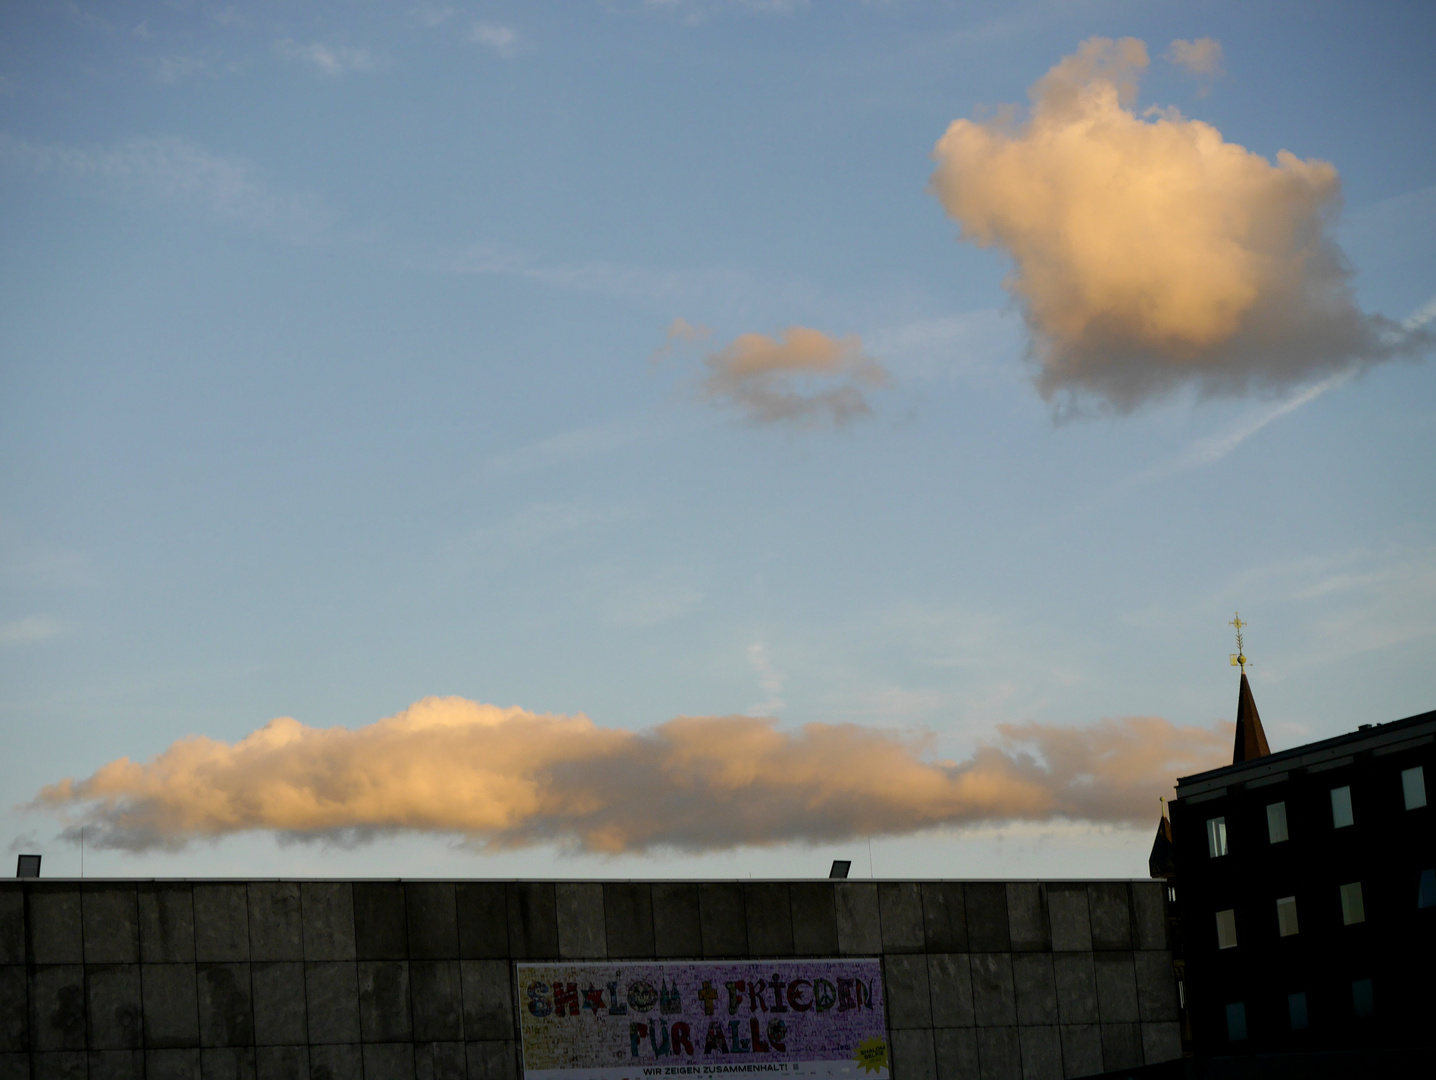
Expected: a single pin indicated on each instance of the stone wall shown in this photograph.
(339, 980)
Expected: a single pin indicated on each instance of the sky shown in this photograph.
(664, 438)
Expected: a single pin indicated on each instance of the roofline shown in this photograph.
(1393, 732)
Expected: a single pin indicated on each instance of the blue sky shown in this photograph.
(328, 384)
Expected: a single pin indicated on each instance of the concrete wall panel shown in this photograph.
(227, 1063)
(956, 1050)
(1116, 988)
(770, 919)
(491, 1060)
(1081, 1049)
(114, 1065)
(949, 977)
(488, 1001)
(815, 918)
(987, 925)
(1121, 1046)
(439, 1061)
(1069, 918)
(335, 1062)
(1076, 980)
(1041, 1047)
(57, 1006)
(278, 1002)
(900, 914)
(582, 934)
(1161, 1042)
(116, 1009)
(994, 999)
(999, 1053)
(1156, 986)
(226, 1015)
(14, 1010)
(438, 1000)
(1149, 906)
(331, 994)
(12, 924)
(724, 920)
(328, 914)
(384, 1008)
(677, 926)
(166, 923)
(172, 1064)
(112, 924)
(913, 1054)
(483, 916)
(859, 924)
(276, 921)
(1036, 988)
(1027, 917)
(533, 921)
(909, 1002)
(221, 923)
(389, 1061)
(1111, 915)
(281, 1062)
(628, 919)
(944, 917)
(432, 911)
(171, 1003)
(381, 927)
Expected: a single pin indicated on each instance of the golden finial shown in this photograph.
(1237, 659)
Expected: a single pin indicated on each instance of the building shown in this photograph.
(426, 980)
(1305, 883)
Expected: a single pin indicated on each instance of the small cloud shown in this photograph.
(171, 69)
(680, 332)
(433, 15)
(769, 678)
(331, 60)
(499, 38)
(28, 630)
(1200, 57)
(803, 377)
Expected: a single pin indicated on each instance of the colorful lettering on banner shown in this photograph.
(608, 1021)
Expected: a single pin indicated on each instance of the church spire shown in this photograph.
(1251, 739)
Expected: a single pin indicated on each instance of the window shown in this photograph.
(1413, 786)
(1276, 822)
(1426, 891)
(1363, 999)
(1216, 837)
(1227, 929)
(1296, 1010)
(1341, 807)
(1236, 1021)
(1286, 916)
(1352, 909)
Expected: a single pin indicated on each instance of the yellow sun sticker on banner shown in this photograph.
(872, 1055)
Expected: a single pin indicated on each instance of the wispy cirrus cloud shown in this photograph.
(331, 60)
(1200, 57)
(507, 778)
(501, 39)
(30, 629)
(178, 169)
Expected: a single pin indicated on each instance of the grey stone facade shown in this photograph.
(380, 980)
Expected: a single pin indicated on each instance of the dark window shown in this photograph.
(1227, 929)
(1426, 891)
(1286, 924)
(1341, 815)
(1353, 908)
(1216, 837)
(1296, 1010)
(1236, 1021)
(1363, 1000)
(1413, 787)
(1276, 822)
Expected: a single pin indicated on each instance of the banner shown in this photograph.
(759, 1018)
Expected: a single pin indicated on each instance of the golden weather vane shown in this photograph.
(1237, 659)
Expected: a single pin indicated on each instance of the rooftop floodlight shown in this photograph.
(28, 866)
(840, 868)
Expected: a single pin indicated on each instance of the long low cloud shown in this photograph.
(1151, 253)
(507, 778)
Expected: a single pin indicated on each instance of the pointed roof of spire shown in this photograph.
(1251, 739)
(1162, 863)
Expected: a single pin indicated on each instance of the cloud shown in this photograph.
(803, 377)
(1200, 57)
(499, 38)
(1149, 253)
(30, 629)
(506, 778)
(171, 69)
(332, 60)
(174, 168)
(680, 332)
